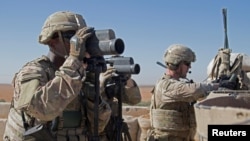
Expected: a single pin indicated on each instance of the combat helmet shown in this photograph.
(177, 53)
(60, 21)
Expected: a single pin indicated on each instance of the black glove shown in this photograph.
(228, 84)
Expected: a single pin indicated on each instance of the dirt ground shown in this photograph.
(6, 92)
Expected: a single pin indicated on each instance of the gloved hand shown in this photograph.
(220, 79)
(228, 84)
(105, 76)
(77, 42)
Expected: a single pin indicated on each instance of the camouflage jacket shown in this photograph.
(172, 113)
(43, 93)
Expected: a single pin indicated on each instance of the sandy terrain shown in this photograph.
(6, 92)
(146, 92)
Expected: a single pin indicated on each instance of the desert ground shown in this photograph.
(6, 92)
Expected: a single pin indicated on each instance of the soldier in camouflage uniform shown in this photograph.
(52, 91)
(171, 110)
(131, 96)
(110, 90)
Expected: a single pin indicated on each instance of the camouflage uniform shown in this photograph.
(44, 93)
(57, 98)
(171, 110)
(129, 94)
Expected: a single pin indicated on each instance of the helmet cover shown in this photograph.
(60, 21)
(177, 53)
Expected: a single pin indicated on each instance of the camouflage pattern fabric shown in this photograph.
(131, 95)
(44, 93)
(172, 114)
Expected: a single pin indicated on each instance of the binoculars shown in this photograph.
(104, 42)
(123, 65)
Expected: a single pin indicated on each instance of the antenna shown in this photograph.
(164, 66)
(159, 63)
(224, 11)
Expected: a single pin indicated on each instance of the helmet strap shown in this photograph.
(56, 52)
(64, 46)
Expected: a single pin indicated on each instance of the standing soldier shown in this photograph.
(51, 99)
(130, 94)
(171, 110)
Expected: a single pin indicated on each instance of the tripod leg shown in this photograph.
(126, 132)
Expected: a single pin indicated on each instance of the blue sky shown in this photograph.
(146, 27)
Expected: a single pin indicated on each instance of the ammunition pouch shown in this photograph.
(72, 119)
(169, 120)
(40, 133)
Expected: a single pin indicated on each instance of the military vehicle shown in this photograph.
(225, 106)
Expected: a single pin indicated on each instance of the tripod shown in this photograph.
(96, 65)
(115, 88)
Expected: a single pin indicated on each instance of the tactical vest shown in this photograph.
(171, 119)
(14, 128)
(67, 126)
